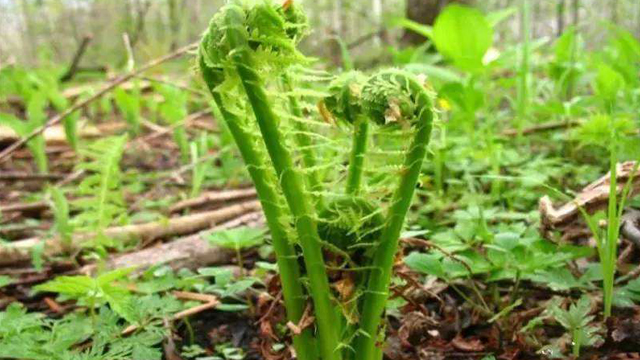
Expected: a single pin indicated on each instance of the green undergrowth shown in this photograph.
(327, 151)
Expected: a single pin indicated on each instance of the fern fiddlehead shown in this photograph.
(291, 181)
(392, 96)
(344, 103)
(251, 40)
(293, 292)
(227, 57)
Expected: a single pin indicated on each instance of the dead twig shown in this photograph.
(20, 250)
(554, 125)
(6, 153)
(25, 207)
(191, 252)
(167, 130)
(20, 176)
(73, 68)
(592, 198)
(212, 198)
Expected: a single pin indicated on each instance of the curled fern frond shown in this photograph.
(394, 96)
(344, 100)
(397, 97)
(273, 32)
(348, 221)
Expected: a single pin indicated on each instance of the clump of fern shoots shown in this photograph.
(250, 49)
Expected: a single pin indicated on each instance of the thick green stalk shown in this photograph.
(291, 183)
(304, 142)
(358, 152)
(376, 293)
(286, 257)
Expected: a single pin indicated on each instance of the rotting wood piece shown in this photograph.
(21, 250)
(213, 197)
(567, 218)
(191, 252)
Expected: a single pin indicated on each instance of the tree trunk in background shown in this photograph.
(533, 21)
(376, 8)
(614, 11)
(142, 8)
(424, 12)
(174, 23)
(575, 9)
(560, 19)
(28, 33)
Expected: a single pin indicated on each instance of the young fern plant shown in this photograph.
(248, 40)
(217, 73)
(102, 201)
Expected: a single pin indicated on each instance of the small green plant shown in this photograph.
(93, 292)
(62, 223)
(174, 110)
(36, 117)
(577, 322)
(237, 239)
(248, 41)
(199, 149)
(102, 201)
(128, 103)
(620, 141)
(607, 238)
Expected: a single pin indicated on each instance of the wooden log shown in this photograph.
(20, 251)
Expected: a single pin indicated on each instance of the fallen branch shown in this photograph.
(55, 134)
(21, 176)
(567, 220)
(20, 250)
(167, 130)
(554, 125)
(191, 252)
(212, 198)
(73, 68)
(593, 197)
(25, 207)
(5, 154)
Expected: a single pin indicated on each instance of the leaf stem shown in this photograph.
(291, 183)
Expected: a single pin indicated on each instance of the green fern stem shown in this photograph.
(358, 152)
(291, 183)
(344, 103)
(286, 257)
(304, 143)
(376, 292)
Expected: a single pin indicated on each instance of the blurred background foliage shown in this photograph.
(41, 32)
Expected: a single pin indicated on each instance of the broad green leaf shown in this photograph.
(463, 35)
(75, 286)
(608, 82)
(113, 275)
(428, 264)
(5, 280)
(238, 238)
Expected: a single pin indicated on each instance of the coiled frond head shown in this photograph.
(349, 221)
(272, 32)
(344, 99)
(394, 96)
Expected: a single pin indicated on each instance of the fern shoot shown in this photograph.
(249, 46)
(103, 204)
